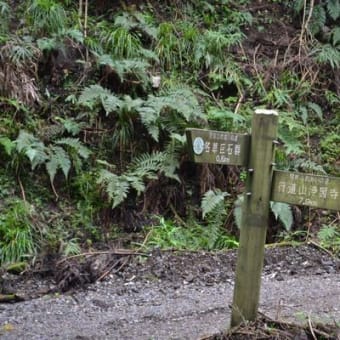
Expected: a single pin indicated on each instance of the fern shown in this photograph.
(211, 199)
(214, 212)
(181, 101)
(336, 36)
(76, 145)
(237, 212)
(96, 94)
(144, 167)
(329, 237)
(149, 165)
(283, 212)
(316, 109)
(7, 144)
(136, 67)
(58, 159)
(115, 186)
(333, 9)
(290, 132)
(307, 165)
(328, 54)
(136, 21)
(53, 156)
(32, 147)
(5, 13)
(318, 19)
(71, 125)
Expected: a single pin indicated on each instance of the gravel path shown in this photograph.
(179, 304)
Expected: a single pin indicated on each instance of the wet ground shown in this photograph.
(169, 295)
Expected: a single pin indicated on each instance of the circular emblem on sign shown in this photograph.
(198, 145)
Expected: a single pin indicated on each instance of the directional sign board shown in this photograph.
(306, 189)
(208, 146)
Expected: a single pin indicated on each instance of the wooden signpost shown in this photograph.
(264, 184)
(218, 147)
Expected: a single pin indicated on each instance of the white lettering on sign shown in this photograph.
(200, 146)
(230, 149)
(333, 193)
(223, 137)
(214, 147)
(222, 159)
(308, 188)
(207, 147)
(237, 150)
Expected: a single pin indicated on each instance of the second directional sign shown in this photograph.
(218, 147)
(306, 189)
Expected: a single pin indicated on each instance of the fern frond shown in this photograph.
(115, 186)
(237, 212)
(185, 102)
(307, 165)
(182, 101)
(58, 159)
(147, 165)
(70, 125)
(32, 147)
(7, 144)
(328, 54)
(136, 182)
(336, 36)
(211, 199)
(138, 68)
(76, 145)
(93, 95)
(283, 212)
(333, 9)
(318, 19)
(316, 109)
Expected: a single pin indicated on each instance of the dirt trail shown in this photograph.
(185, 296)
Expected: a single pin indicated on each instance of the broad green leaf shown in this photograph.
(283, 212)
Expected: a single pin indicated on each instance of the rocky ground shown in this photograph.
(168, 295)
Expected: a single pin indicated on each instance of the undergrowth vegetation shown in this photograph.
(95, 98)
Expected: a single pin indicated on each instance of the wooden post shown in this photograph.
(255, 215)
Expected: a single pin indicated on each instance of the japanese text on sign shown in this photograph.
(311, 190)
(218, 147)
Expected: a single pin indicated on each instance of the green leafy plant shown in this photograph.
(144, 167)
(171, 111)
(330, 147)
(17, 240)
(156, 113)
(214, 211)
(46, 16)
(5, 12)
(281, 211)
(329, 238)
(167, 235)
(53, 157)
(211, 200)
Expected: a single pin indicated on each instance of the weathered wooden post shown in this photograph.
(264, 184)
(255, 215)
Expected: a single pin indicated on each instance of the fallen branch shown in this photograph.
(125, 252)
(111, 268)
(8, 298)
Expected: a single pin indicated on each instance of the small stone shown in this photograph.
(279, 277)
